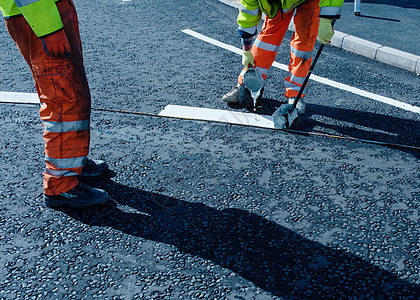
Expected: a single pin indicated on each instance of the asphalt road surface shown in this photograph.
(206, 210)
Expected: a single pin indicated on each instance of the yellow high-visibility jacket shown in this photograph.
(41, 15)
(251, 11)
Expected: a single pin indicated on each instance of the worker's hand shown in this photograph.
(247, 59)
(56, 44)
(325, 31)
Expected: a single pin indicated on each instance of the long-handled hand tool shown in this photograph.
(286, 114)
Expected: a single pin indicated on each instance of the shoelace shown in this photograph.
(78, 190)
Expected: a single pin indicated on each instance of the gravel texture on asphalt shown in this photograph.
(197, 213)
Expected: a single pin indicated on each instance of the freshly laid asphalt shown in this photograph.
(205, 210)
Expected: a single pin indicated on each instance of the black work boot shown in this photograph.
(81, 196)
(233, 95)
(93, 168)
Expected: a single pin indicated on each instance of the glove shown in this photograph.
(325, 31)
(247, 59)
(56, 44)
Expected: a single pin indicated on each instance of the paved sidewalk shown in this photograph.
(384, 31)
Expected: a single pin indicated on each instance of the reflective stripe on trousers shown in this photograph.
(65, 99)
(265, 47)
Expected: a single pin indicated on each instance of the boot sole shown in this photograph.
(231, 100)
(53, 203)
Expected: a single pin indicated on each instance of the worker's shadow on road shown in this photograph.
(351, 123)
(270, 256)
(361, 125)
(378, 18)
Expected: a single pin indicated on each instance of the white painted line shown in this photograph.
(11, 97)
(326, 81)
(212, 41)
(367, 94)
(217, 115)
(230, 3)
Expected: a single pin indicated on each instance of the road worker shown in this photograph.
(47, 35)
(312, 18)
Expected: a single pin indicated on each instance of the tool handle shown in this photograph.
(357, 4)
(315, 59)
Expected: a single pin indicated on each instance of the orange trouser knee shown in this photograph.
(265, 47)
(267, 43)
(302, 44)
(65, 99)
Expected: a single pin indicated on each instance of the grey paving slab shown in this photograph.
(397, 58)
(360, 46)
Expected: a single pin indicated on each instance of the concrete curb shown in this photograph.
(377, 52)
(374, 51)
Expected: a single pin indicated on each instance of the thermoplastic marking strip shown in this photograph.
(171, 111)
(319, 79)
(11, 97)
(217, 115)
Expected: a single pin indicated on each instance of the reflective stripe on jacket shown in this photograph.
(41, 15)
(250, 12)
(330, 8)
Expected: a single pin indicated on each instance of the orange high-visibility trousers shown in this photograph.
(265, 47)
(65, 99)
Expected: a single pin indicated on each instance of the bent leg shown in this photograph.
(306, 22)
(266, 45)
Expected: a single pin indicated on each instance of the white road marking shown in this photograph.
(11, 97)
(230, 3)
(217, 115)
(326, 81)
(31, 98)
